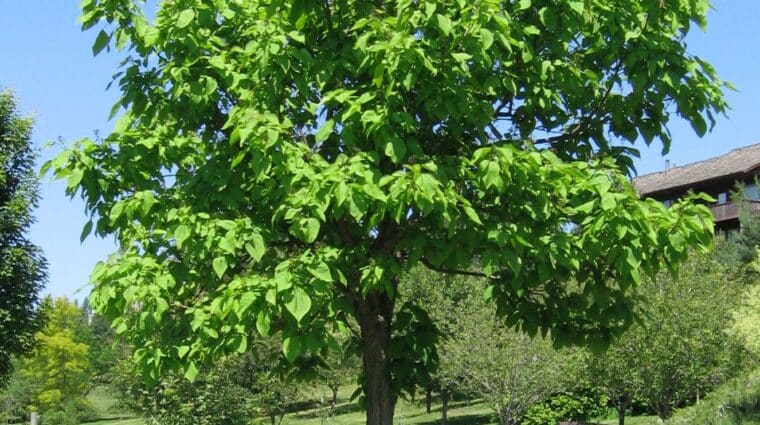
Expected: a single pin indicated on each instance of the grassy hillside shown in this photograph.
(107, 409)
(406, 413)
(348, 413)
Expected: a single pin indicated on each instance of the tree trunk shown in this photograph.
(334, 400)
(374, 314)
(621, 406)
(444, 407)
(664, 407)
(428, 398)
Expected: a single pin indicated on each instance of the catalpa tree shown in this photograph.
(277, 165)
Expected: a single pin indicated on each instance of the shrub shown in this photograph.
(735, 402)
(71, 413)
(59, 417)
(219, 396)
(579, 405)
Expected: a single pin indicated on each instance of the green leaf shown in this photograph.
(226, 224)
(181, 233)
(472, 214)
(121, 328)
(297, 36)
(191, 371)
(523, 4)
(608, 201)
(242, 344)
(263, 323)
(677, 241)
(374, 192)
(430, 7)
(461, 57)
(488, 293)
(211, 332)
(324, 132)
(531, 30)
(182, 351)
(185, 17)
(577, 7)
(148, 200)
(698, 124)
(220, 266)
(291, 348)
(635, 276)
(444, 23)
(300, 303)
(151, 35)
(486, 38)
(246, 300)
(101, 41)
(211, 86)
(86, 231)
(493, 175)
(237, 159)
(586, 207)
(357, 206)
(256, 248)
(310, 228)
(228, 243)
(321, 272)
(395, 149)
(74, 178)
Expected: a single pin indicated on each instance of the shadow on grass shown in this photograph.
(123, 418)
(348, 407)
(340, 409)
(475, 419)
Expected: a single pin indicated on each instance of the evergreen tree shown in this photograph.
(744, 246)
(22, 266)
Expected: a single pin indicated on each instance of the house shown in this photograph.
(715, 176)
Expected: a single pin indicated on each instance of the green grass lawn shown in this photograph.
(348, 413)
(634, 420)
(133, 421)
(460, 413)
(107, 409)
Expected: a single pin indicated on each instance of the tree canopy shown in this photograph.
(277, 165)
(60, 363)
(680, 350)
(22, 266)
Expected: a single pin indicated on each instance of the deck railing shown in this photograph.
(730, 210)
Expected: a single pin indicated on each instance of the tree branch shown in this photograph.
(445, 270)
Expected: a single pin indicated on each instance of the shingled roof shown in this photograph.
(737, 164)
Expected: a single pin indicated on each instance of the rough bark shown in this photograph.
(428, 398)
(621, 406)
(374, 314)
(444, 407)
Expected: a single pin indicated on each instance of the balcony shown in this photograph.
(730, 210)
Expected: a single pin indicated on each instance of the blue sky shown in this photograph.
(46, 60)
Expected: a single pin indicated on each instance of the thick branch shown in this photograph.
(445, 270)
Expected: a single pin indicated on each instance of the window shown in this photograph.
(750, 191)
(722, 197)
